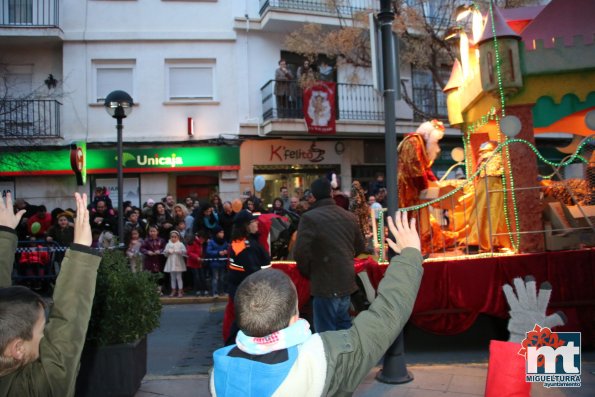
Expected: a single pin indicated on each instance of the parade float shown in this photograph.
(523, 72)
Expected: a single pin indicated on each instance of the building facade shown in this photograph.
(201, 74)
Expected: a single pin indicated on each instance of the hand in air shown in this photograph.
(82, 227)
(7, 216)
(404, 233)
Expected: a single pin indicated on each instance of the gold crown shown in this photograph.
(437, 124)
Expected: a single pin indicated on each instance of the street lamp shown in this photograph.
(118, 104)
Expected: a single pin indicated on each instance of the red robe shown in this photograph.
(414, 170)
(414, 175)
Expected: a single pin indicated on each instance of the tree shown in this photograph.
(419, 24)
(28, 116)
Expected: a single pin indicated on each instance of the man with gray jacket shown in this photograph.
(38, 359)
(328, 238)
(276, 354)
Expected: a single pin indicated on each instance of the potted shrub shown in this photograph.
(126, 308)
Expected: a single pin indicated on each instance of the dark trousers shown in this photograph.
(199, 279)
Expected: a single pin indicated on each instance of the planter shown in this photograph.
(112, 371)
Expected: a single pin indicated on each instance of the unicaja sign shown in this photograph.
(553, 358)
(171, 161)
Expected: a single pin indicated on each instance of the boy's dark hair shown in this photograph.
(19, 311)
(265, 302)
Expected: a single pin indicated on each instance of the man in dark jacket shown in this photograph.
(328, 239)
(226, 219)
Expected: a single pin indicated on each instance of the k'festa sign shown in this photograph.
(294, 152)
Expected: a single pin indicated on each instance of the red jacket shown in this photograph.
(195, 254)
(35, 256)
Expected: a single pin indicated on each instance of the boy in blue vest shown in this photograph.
(276, 354)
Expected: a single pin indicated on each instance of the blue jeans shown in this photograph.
(216, 279)
(331, 314)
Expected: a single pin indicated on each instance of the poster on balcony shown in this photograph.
(319, 106)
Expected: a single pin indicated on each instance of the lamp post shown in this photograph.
(118, 104)
(394, 369)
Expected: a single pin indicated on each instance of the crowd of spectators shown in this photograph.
(203, 229)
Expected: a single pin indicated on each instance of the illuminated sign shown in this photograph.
(57, 162)
(78, 161)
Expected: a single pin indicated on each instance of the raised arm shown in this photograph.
(73, 298)
(8, 239)
(355, 351)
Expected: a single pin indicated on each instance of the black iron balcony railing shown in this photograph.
(342, 7)
(29, 118)
(353, 102)
(430, 101)
(29, 13)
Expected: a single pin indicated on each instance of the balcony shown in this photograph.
(353, 102)
(25, 19)
(288, 15)
(29, 13)
(342, 7)
(29, 118)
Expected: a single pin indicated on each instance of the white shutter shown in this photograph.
(110, 79)
(190, 82)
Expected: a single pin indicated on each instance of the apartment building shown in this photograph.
(205, 119)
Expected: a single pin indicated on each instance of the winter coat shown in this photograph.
(175, 252)
(153, 263)
(213, 249)
(332, 363)
(328, 238)
(195, 255)
(54, 373)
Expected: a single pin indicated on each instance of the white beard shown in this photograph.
(432, 149)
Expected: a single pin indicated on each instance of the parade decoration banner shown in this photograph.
(319, 108)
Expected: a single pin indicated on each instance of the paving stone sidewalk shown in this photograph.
(466, 380)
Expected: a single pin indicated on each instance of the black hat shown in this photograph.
(217, 229)
(321, 188)
(244, 216)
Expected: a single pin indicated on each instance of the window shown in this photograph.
(112, 75)
(16, 81)
(428, 97)
(190, 80)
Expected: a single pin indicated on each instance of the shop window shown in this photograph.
(131, 189)
(111, 75)
(192, 80)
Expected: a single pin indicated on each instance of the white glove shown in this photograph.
(527, 308)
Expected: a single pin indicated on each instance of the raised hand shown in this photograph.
(404, 233)
(7, 216)
(82, 227)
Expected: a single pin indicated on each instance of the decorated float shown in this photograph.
(522, 72)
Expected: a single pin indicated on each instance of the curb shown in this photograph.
(190, 299)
